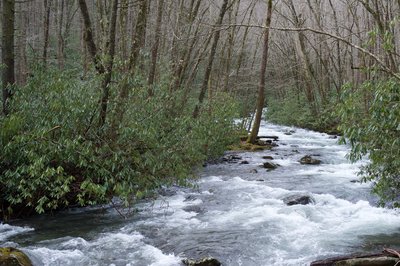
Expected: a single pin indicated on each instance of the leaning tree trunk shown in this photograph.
(101, 68)
(261, 87)
(207, 73)
(7, 52)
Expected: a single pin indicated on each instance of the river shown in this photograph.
(235, 213)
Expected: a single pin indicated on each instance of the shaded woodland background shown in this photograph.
(301, 64)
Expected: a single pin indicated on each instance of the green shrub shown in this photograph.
(52, 156)
(370, 120)
(294, 110)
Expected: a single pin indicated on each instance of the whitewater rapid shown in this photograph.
(234, 213)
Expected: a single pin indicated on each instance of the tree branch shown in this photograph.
(306, 29)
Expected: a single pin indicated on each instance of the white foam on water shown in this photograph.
(304, 231)
(125, 247)
(50, 257)
(7, 231)
(159, 258)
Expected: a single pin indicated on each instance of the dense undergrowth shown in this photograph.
(370, 121)
(52, 154)
(368, 118)
(294, 110)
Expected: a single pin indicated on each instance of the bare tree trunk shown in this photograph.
(7, 52)
(46, 27)
(183, 63)
(154, 50)
(123, 22)
(304, 60)
(84, 52)
(139, 37)
(21, 63)
(138, 42)
(60, 37)
(261, 87)
(200, 55)
(231, 43)
(89, 39)
(211, 57)
(243, 44)
(108, 65)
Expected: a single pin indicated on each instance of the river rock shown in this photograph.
(194, 208)
(203, 262)
(231, 158)
(190, 198)
(380, 261)
(298, 200)
(270, 166)
(244, 162)
(364, 260)
(309, 160)
(268, 157)
(13, 257)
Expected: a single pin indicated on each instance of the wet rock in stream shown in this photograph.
(383, 259)
(194, 208)
(298, 200)
(203, 262)
(268, 157)
(270, 166)
(309, 160)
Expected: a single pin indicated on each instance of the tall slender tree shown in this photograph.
(7, 52)
(261, 87)
(211, 58)
(46, 28)
(154, 49)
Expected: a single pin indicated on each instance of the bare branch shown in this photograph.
(385, 68)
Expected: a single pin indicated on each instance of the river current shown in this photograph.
(235, 213)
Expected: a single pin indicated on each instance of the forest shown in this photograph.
(108, 101)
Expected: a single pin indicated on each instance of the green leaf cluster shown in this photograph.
(52, 155)
(370, 120)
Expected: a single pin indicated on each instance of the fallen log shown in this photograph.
(388, 257)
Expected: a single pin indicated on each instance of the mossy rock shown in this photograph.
(13, 257)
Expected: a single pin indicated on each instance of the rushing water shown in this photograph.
(236, 214)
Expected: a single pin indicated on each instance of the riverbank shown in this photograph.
(236, 213)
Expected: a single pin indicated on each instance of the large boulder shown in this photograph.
(309, 160)
(203, 262)
(13, 257)
(298, 200)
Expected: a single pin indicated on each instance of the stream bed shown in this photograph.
(236, 214)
